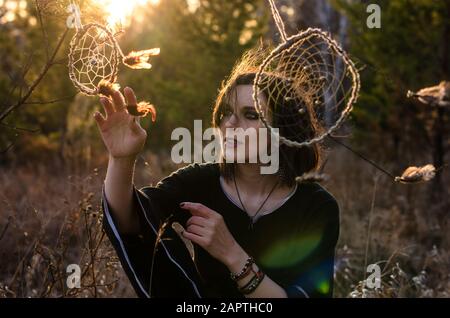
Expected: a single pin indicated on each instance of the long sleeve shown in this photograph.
(294, 245)
(155, 259)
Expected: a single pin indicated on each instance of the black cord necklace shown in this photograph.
(252, 218)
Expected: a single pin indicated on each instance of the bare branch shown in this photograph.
(5, 228)
(20, 128)
(61, 61)
(44, 31)
(41, 75)
(7, 148)
(20, 81)
(50, 101)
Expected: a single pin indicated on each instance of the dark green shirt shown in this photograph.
(294, 244)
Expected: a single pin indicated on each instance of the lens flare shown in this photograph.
(119, 11)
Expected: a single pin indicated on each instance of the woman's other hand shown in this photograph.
(207, 228)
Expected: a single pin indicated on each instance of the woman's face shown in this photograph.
(241, 118)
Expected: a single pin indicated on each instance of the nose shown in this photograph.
(232, 121)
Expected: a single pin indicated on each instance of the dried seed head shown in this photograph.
(417, 174)
(107, 88)
(161, 231)
(139, 59)
(438, 95)
(410, 94)
(142, 109)
(179, 229)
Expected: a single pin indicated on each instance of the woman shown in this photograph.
(254, 235)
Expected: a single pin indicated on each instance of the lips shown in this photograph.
(231, 142)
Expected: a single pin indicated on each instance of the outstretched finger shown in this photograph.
(99, 118)
(118, 101)
(107, 105)
(130, 96)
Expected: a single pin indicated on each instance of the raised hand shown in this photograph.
(121, 132)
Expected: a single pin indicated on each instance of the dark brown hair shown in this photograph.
(285, 115)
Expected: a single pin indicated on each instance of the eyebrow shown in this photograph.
(249, 107)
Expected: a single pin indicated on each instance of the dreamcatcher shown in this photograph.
(312, 71)
(94, 60)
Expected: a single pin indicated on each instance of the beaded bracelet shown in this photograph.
(245, 270)
(253, 283)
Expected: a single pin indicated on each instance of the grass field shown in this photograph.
(50, 218)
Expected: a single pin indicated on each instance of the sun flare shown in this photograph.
(120, 10)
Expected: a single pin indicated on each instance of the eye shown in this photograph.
(225, 113)
(228, 112)
(252, 115)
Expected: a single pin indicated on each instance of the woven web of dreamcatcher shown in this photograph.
(314, 77)
(94, 57)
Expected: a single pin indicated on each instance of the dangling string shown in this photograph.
(77, 15)
(278, 20)
(362, 157)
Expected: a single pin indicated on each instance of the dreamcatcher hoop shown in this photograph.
(93, 62)
(75, 74)
(288, 46)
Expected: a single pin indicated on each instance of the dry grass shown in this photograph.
(50, 219)
(390, 224)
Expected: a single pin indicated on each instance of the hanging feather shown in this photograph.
(179, 229)
(417, 174)
(438, 95)
(142, 109)
(106, 88)
(312, 177)
(139, 59)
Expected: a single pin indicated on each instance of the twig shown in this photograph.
(61, 61)
(52, 101)
(90, 248)
(161, 231)
(26, 67)
(369, 228)
(95, 253)
(20, 128)
(102, 285)
(44, 31)
(60, 234)
(396, 252)
(36, 82)
(5, 228)
(7, 148)
(32, 246)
